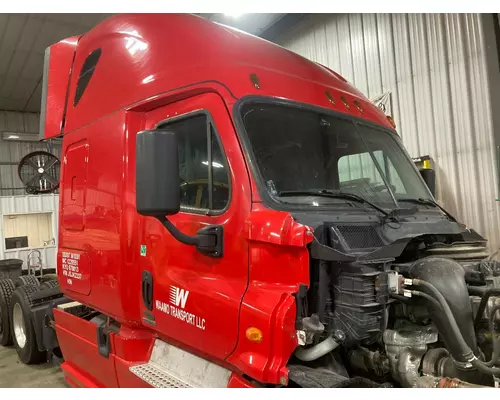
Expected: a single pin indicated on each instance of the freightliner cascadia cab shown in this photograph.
(233, 214)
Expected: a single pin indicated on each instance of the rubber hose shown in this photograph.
(482, 367)
(482, 305)
(476, 290)
(401, 298)
(447, 276)
(449, 369)
(467, 352)
(427, 297)
(496, 343)
(407, 300)
(317, 351)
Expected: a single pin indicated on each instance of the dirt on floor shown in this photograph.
(14, 374)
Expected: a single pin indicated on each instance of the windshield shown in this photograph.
(299, 152)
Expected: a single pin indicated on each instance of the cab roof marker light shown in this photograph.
(358, 106)
(345, 102)
(255, 81)
(330, 97)
(391, 121)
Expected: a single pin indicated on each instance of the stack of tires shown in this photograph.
(16, 324)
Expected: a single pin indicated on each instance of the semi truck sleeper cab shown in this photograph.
(235, 215)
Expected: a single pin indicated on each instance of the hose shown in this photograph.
(467, 353)
(476, 290)
(447, 276)
(482, 305)
(401, 298)
(427, 297)
(317, 351)
(496, 343)
(482, 367)
(407, 300)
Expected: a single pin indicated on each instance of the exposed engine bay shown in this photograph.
(388, 307)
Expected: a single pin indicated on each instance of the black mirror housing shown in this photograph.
(157, 173)
(429, 177)
(158, 190)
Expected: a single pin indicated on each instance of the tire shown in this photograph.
(23, 333)
(6, 289)
(27, 280)
(47, 277)
(49, 284)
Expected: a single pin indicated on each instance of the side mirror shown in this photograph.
(429, 177)
(158, 192)
(157, 173)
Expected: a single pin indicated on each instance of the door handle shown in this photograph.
(147, 290)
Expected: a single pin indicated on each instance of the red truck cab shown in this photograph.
(169, 238)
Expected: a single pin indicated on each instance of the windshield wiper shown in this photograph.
(334, 195)
(393, 214)
(429, 202)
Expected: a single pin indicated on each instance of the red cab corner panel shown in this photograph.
(275, 315)
(57, 69)
(276, 227)
(237, 381)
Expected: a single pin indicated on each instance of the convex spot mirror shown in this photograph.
(157, 173)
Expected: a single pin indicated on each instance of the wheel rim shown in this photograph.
(19, 326)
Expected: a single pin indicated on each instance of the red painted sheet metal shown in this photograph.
(78, 341)
(237, 381)
(57, 70)
(145, 55)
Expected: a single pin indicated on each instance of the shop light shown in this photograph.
(20, 136)
(234, 15)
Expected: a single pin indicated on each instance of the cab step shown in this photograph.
(157, 377)
(172, 367)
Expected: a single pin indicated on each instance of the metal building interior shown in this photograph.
(436, 75)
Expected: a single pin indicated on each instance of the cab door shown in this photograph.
(195, 297)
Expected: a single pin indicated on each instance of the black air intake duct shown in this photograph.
(449, 278)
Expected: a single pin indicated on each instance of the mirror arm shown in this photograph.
(177, 234)
(208, 240)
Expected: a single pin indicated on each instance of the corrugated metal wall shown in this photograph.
(19, 121)
(11, 152)
(435, 67)
(48, 203)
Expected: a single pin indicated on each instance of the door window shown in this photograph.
(202, 165)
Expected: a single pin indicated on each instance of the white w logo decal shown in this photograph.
(178, 297)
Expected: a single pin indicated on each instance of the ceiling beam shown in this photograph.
(282, 26)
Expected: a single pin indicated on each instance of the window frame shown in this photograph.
(210, 127)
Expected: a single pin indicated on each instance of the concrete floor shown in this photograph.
(14, 374)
